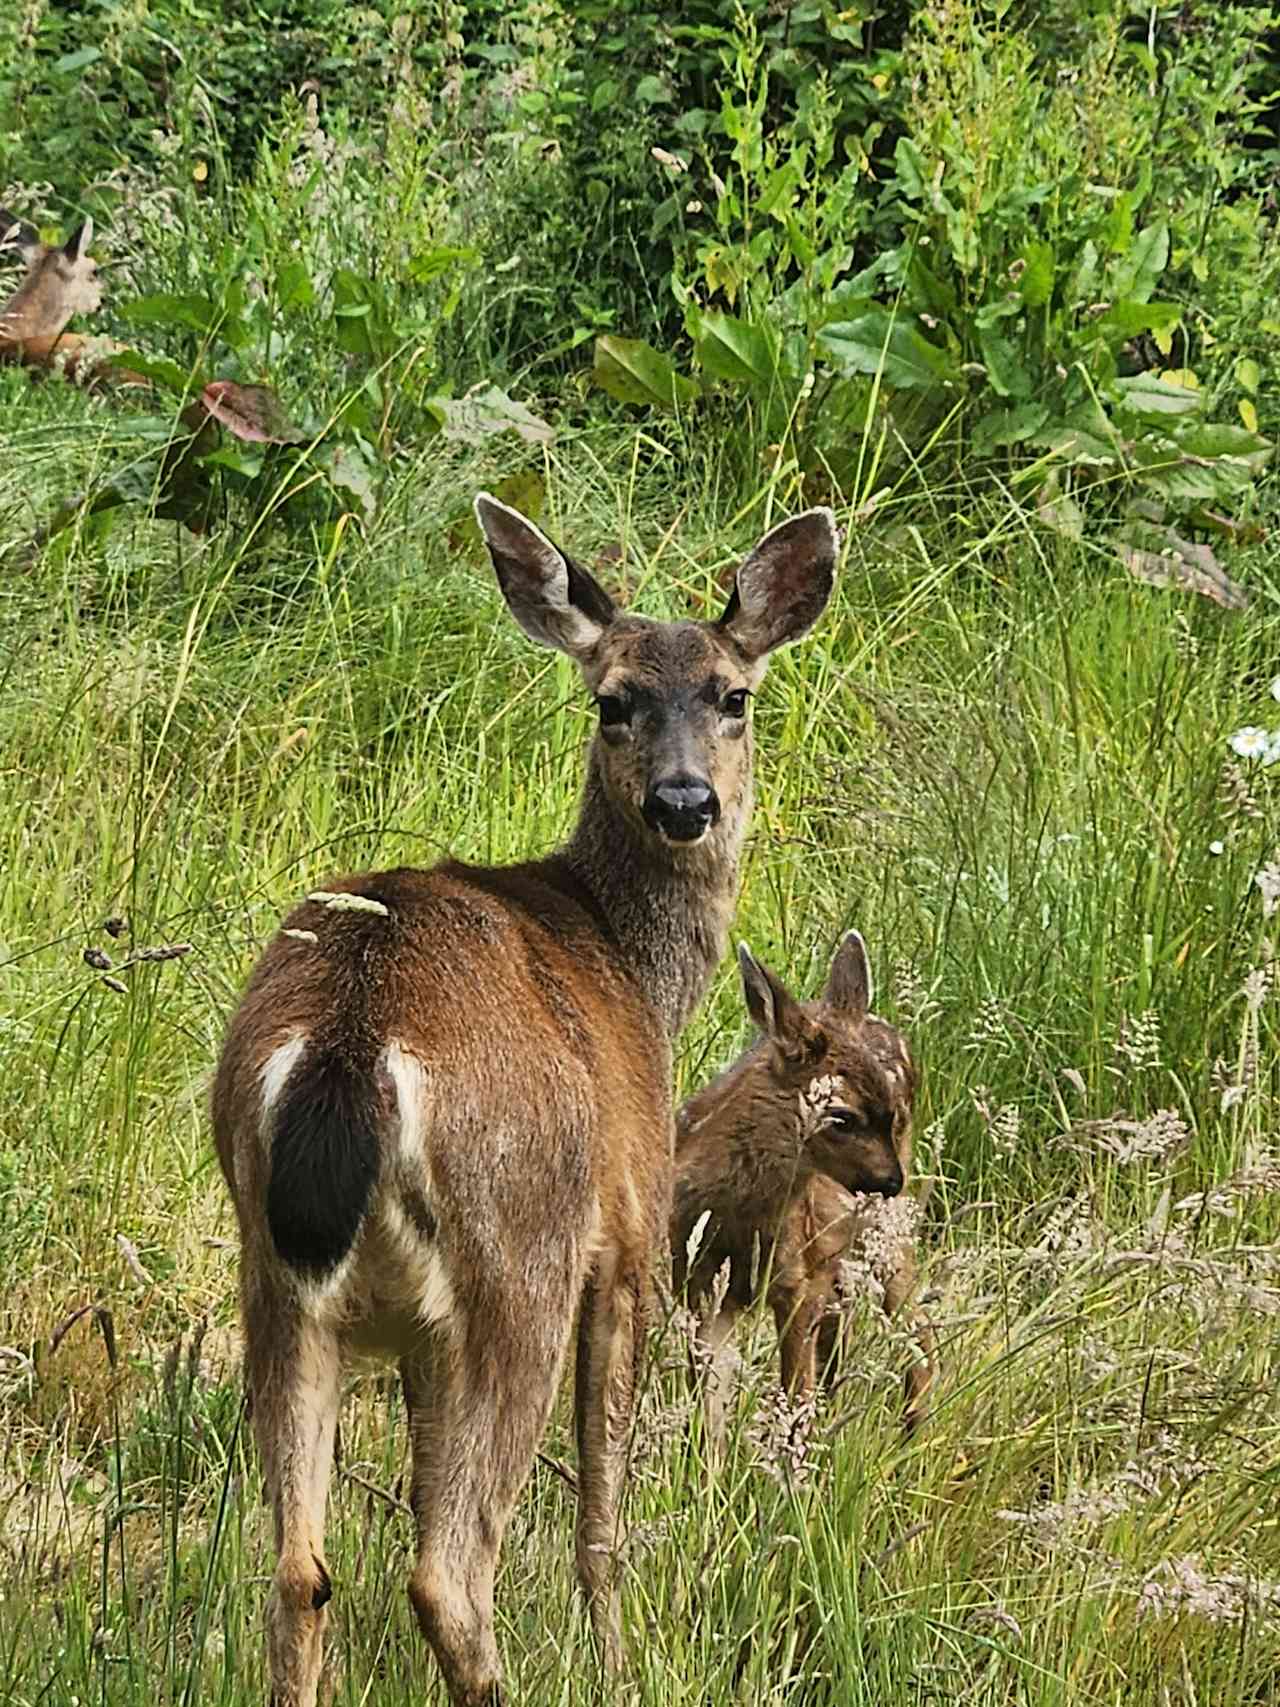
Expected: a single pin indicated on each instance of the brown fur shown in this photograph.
(756, 1152)
(60, 282)
(445, 1116)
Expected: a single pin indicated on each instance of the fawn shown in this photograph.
(443, 1109)
(59, 282)
(766, 1158)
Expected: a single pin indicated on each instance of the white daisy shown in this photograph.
(1251, 742)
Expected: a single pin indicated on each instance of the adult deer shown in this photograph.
(444, 1110)
(767, 1156)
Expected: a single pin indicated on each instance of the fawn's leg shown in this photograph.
(293, 1370)
(716, 1350)
(611, 1341)
(798, 1319)
(920, 1373)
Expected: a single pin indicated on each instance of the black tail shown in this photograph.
(324, 1161)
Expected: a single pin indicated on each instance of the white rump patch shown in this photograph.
(410, 1080)
(277, 1068)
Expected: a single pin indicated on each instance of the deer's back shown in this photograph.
(501, 1069)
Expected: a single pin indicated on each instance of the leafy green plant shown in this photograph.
(1022, 299)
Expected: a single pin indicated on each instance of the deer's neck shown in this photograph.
(668, 909)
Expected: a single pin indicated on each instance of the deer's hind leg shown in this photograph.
(479, 1391)
(293, 1367)
(611, 1343)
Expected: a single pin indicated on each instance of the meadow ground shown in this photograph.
(1002, 760)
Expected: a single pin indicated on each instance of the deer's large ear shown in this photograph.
(15, 233)
(775, 1011)
(554, 601)
(849, 982)
(76, 246)
(782, 586)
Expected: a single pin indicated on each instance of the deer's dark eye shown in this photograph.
(842, 1120)
(613, 711)
(735, 704)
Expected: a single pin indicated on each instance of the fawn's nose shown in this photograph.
(892, 1183)
(681, 808)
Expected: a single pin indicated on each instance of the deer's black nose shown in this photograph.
(681, 808)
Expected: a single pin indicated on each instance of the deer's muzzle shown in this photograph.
(681, 808)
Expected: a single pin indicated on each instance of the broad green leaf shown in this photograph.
(196, 313)
(909, 165)
(1002, 308)
(293, 286)
(1248, 373)
(1084, 279)
(634, 372)
(1137, 274)
(1224, 438)
(926, 290)
(1148, 395)
(432, 263)
(246, 463)
(78, 60)
(162, 372)
(1004, 368)
(1036, 283)
(349, 471)
(729, 348)
(353, 312)
(1162, 465)
(878, 342)
(1009, 426)
(1126, 319)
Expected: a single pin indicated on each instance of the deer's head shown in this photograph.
(673, 749)
(841, 1081)
(60, 281)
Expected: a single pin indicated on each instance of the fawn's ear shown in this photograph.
(76, 246)
(15, 233)
(783, 584)
(849, 982)
(554, 601)
(777, 1014)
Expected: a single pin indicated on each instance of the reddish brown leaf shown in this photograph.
(251, 412)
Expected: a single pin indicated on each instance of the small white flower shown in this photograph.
(1275, 688)
(1250, 742)
(1215, 848)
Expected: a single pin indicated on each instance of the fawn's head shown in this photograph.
(673, 750)
(59, 282)
(844, 1078)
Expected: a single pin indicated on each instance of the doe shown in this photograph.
(767, 1157)
(443, 1109)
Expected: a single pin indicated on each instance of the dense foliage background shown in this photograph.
(996, 280)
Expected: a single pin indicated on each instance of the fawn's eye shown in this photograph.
(735, 704)
(614, 711)
(843, 1120)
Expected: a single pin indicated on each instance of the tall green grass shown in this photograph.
(1008, 768)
